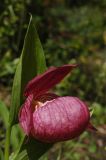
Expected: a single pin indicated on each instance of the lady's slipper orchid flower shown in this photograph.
(48, 117)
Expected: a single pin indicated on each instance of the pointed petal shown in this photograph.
(60, 119)
(25, 115)
(91, 127)
(42, 83)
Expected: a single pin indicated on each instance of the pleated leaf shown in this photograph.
(31, 63)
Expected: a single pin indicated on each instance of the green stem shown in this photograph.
(7, 143)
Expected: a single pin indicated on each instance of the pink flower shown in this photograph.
(48, 117)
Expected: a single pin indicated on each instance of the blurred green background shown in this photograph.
(71, 31)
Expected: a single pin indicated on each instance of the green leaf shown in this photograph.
(35, 149)
(4, 113)
(31, 63)
(21, 156)
(16, 136)
(1, 155)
